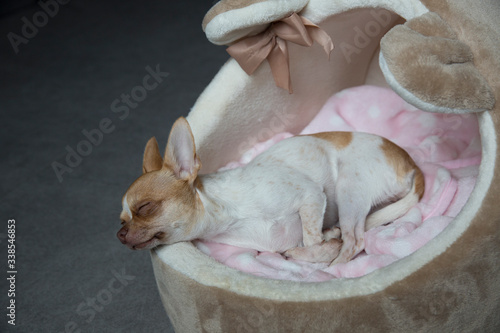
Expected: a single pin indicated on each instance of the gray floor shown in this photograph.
(73, 275)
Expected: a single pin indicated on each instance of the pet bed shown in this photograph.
(446, 148)
(441, 57)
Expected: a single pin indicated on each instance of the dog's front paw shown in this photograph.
(327, 251)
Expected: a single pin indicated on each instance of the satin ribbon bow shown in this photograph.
(271, 44)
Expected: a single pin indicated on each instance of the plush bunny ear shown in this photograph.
(180, 154)
(427, 65)
(152, 159)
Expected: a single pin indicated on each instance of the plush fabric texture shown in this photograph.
(228, 21)
(319, 10)
(449, 285)
(224, 6)
(446, 148)
(425, 58)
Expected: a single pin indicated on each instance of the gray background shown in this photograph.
(73, 274)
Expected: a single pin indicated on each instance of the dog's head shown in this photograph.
(161, 206)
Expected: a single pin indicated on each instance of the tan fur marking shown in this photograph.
(152, 160)
(402, 164)
(146, 208)
(419, 183)
(198, 184)
(124, 217)
(154, 184)
(339, 139)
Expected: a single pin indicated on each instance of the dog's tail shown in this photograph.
(397, 209)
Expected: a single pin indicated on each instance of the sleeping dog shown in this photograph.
(289, 199)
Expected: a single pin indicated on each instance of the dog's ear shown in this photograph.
(180, 154)
(152, 158)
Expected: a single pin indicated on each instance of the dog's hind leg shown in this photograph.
(311, 215)
(353, 209)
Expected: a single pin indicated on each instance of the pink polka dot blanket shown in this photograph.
(447, 149)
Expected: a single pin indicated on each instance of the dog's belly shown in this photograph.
(265, 235)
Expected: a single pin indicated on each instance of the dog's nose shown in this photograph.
(122, 233)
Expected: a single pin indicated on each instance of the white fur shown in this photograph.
(392, 212)
(126, 207)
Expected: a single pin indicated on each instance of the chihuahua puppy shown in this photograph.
(282, 201)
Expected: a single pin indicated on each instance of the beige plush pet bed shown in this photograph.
(441, 56)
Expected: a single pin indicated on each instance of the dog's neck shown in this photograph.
(219, 198)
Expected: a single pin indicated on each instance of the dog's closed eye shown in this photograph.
(147, 208)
